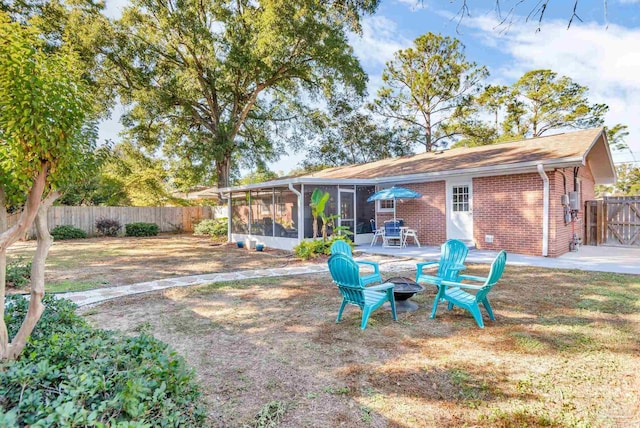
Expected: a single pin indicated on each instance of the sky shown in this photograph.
(601, 49)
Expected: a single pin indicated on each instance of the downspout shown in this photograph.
(229, 222)
(545, 210)
(300, 210)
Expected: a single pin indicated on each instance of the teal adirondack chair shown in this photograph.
(345, 273)
(341, 247)
(452, 256)
(453, 293)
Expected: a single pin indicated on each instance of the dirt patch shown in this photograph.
(557, 355)
(122, 261)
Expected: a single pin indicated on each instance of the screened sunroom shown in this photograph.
(278, 214)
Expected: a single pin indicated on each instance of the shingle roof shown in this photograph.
(572, 145)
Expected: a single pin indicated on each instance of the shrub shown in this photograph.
(141, 229)
(73, 375)
(212, 227)
(310, 249)
(108, 226)
(18, 273)
(67, 232)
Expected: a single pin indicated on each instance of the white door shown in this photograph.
(460, 210)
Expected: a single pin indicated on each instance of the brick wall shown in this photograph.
(560, 234)
(425, 214)
(509, 207)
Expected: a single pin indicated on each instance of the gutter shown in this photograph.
(300, 210)
(545, 210)
(483, 171)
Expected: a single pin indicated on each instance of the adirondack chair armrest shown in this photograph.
(419, 266)
(473, 278)
(460, 285)
(374, 265)
(380, 287)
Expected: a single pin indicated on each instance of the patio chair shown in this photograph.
(453, 291)
(452, 256)
(346, 275)
(392, 232)
(376, 232)
(341, 247)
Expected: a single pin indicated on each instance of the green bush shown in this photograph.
(67, 232)
(310, 249)
(73, 375)
(141, 229)
(18, 273)
(212, 227)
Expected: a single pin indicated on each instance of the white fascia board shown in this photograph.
(484, 171)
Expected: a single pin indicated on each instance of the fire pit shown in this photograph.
(403, 290)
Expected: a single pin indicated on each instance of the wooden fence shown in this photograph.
(613, 221)
(169, 219)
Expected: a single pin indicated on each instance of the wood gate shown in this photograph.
(613, 221)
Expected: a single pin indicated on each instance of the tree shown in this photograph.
(424, 85)
(349, 136)
(45, 128)
(207, 81)
(616, 136)
(627, 184)
(550, 102)
(539, 102)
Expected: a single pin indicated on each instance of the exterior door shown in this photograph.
(460, 210)
(347, 212)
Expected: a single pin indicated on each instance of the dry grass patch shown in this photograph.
(103, 262)
(564, 351)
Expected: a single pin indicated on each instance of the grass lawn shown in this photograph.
(563, 351)
(82, 264)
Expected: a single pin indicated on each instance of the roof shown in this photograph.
(554, 151)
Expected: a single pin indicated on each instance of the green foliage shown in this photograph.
(310, 249)
(141, 229)
(62, 232)
(18, 273)
(349, 136)
(318, 202)
(108, 226)
(212, 227)
(73, 375)
(424, 85)
(209, 82)
(45, 113)
(627, 184)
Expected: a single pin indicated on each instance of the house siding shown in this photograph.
(427, 214)
(561, 234)
(509, 207)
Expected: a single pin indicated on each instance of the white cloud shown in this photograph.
(379, 40)
(607, 61)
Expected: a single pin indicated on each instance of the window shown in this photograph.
(460, 198)
(385, 205)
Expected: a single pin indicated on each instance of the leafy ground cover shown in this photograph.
(111, 261)
(564, 351)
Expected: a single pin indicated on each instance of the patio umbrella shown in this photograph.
(394, 193)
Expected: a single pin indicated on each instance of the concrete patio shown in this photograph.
(590, 258)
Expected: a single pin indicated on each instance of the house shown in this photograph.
(524, 196)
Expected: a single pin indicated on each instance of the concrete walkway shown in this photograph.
(606, 259)
(589, 258)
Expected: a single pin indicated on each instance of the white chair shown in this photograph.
(410, 233)
(376, 232)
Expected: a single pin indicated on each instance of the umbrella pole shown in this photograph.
(394, 209)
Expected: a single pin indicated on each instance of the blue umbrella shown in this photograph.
(394, 193)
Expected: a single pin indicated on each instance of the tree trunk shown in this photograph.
(223, 168)
(36, 308)
(9, 236)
